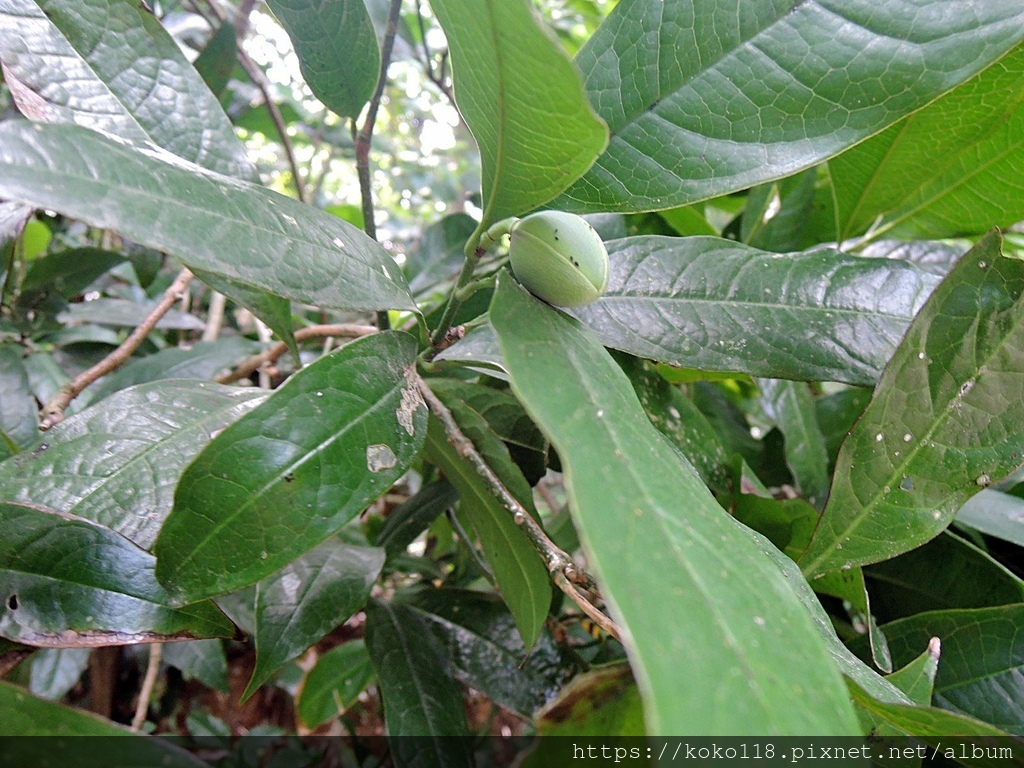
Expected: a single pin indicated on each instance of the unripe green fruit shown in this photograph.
(559, 258)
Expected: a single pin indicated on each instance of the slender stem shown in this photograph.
(53, 411)
(156, 652)
(363, 137)
(481, 241)
(261, 82)
(438, 79)
(270, 356)
(564, 571)
(215, 316)
(587, 607)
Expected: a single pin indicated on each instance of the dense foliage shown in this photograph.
(740, 493)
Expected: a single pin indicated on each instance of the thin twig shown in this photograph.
(215, 316)
(363, 137)
(156, 652)
(564, 571)
(53, 411)
(261, 82)
(270, 356)
(587, 607)
(438, 80)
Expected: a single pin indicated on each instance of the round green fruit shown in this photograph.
(559, 258)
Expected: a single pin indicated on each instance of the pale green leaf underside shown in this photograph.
(534, 141)
(703, 606)
(337, 49)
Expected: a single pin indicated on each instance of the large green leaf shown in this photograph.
(943, 422)
(337, 49)
(518, 569)
(118, 462)
(982, 665)
(420, 699)
(68, 582)
(702, 605)
(290, 473)
(716, 305)
(533, 141)
(110, 66)
(707, 98)
(950, 169)
(308, 598)
(245, 233)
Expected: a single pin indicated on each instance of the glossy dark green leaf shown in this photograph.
(334, 684)
(202, 360)
(19, 421)
(945, 573)
(517, 566)
(777, 212)
(665, 552)
(942, 424)
(290, 473)
(604, 702)
(837, 413)
(410, 518)
(790, 405)
(721, 97)
(68, 272)
(533, 142)
(201, 660)
(716, 305)
(917, 677)
(242, 232)
(485, 651)
(947, 170)
(114, 69)
(55, 671)
(982, 666)
(308, 598)
(118, 462)
(420, 699)
(337, 49)
(71, 583)
(676, 417)
(996, 514)
(218, 59)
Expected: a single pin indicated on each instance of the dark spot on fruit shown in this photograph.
(12, 602)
